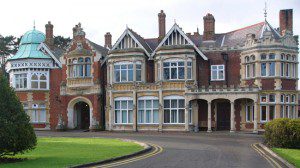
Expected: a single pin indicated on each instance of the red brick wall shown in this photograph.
(22, 96)
(268, 84)
(39, 95)
(288, 84)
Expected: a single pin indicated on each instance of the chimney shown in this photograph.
(209, 27)
(286, 20)
(49, 35)
(78, 32)
(107, 38)
(161, 25)
(74, 31)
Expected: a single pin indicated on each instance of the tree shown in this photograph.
(16, 133)
(62, 42)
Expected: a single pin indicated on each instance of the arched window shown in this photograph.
(34, 81)
(263, 56)
(282, 56)
(252, 58)
(43, 82)
(87, 67)
(246, 59)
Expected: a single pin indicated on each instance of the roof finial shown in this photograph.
(175, 21)
(265, 9)
(33, 24)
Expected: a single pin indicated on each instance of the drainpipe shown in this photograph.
(225, 58)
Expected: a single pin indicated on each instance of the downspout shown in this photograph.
(225, 58)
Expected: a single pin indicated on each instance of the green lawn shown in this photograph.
(291, 155)
(64, 152)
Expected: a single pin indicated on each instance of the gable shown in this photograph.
(129, 40)
(176, 36)
(46, 50)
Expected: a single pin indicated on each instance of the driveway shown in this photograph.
(188, 150)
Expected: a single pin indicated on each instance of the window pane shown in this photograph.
(173, 73)
(141, 116)
(124, 116)
(166, 64)
(181, 116)
(271, 98)
(148, 104)
(43, 85)
(117, 75)
(117, 105)
(124, 104)
(130, 116)
(130, 75)
(166, 103)
(88, 70)
(141, 104)
(173, 116)
(189, 73)
(80, 70)
(117, 116)
(263, 98)
(155, 103)
(214, 75)
(181, 72)
(180, 63)
(123, 75)
(221, 74)
(138, 75)
(263, 113)
(181, 103)
(43, 115)
(130, 104)
(166, 116)
(155, 116)
(166, 73)
(272, 69)
(173, 103)
(148, 116)
(263, 69)
(271, 112)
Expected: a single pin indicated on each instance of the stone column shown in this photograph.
(255, 118)
(232, 116)
(216, 114)
(195, 115)
(208, 116)
(134, 110)
(134, 70)
(186, 116)
(110, 114)
(161, 110)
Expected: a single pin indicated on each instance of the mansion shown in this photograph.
(177, 81)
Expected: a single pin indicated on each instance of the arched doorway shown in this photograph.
(221, 113)
(82, 115)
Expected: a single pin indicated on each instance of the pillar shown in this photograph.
(110, 114)
(208, 116)
(161, 110)
(134, 110)
(195, 115)
(232, 116)
(255, 118)
(186, 116)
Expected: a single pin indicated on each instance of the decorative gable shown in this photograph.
(176, 36)
(127, 42)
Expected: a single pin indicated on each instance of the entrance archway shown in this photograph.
(222, 114)
(82, 115)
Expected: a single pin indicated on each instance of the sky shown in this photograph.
(100, 16)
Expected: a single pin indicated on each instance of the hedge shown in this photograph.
(283, 133)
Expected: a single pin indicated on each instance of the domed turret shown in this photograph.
(33, 37)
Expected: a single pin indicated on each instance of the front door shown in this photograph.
(223, 116)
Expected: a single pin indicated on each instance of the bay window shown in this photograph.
(217, 72)
(148, 110)
(124, 71)
(123, 110)
(175, 70)
(39, 81)
(80, 67)
(263, 69)
(267, 108)
(174, 110)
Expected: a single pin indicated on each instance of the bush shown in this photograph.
(16, 133)
(283, 133)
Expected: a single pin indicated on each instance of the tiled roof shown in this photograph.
(99, 48)
(141, 40)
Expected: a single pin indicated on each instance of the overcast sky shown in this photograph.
(98, 17)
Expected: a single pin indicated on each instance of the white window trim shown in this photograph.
(218, 71)
(170, 61)
(120, 99)
(152, 99)
(177, 109)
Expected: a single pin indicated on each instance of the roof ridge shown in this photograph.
(245, 27)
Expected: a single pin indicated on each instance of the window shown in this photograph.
(293, 99)
(249, 111)
(263, 56)
(282, 69)
(39, 81)
(123, 111)
(80, 67)
(272, 98)
(189, 70)
(282, 98)
(43, 82)
(282, 112)
(287, 98)
(174, 110)
(263, 98)
(38, 113)
(272, 56)
(248, 71)
(217, 72)
(148, 110)
(287, 70)
(291, 115)
(287, 112)
(272, 69)
(173, 70)
(263, 114)
(123, 71)
(282, 57)
(271, 112)
(21, 81)
(190, 113)
(34, 81)
(263, 69)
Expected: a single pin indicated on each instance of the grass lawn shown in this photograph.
(65, 152)
(291, 155)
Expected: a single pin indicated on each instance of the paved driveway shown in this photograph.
(188, 150)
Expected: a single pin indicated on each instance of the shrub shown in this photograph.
(16, 133)
(283, 133)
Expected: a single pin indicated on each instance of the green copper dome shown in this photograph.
(29, 46)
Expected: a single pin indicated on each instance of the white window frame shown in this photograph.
(248, 120)
(127, 109)
(219, 68)
(170, 67)
(20, 79)
(261, 120)
(177, 98)
(145, 109)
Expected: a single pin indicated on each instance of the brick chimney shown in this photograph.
(209, 27)
(49, 35)
(107, 38)
(161, 25)
(78, 32)
(286, 20)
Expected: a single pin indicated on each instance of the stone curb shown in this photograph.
(146, 149)
(273, 154)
